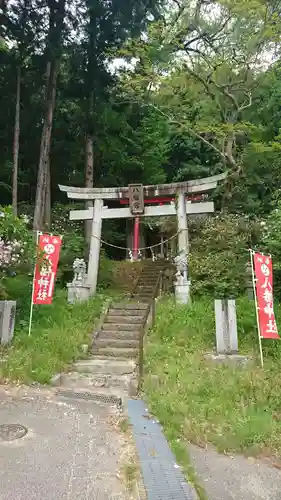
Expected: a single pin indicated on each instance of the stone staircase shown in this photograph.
(147, 281)
(110, 375)
(119, 334)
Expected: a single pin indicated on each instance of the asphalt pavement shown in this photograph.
(235, 477)
(72, 449)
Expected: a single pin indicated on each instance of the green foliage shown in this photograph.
(272, 234)
(58, 333)
(159, 119)
(272, 242)
(19, 288)
(219, 254)
(105, 277)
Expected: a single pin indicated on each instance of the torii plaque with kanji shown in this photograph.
(136, 199)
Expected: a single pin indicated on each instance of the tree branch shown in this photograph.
(191, 131)
(229, 149)
(207, 88)
(173, 121)
(248, 104)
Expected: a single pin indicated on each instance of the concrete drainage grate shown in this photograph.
(162, 478)
(89, 396)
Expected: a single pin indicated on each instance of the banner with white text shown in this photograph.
(46, 267)
(264, 296)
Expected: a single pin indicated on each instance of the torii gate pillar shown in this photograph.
(183, 242)
(94, 255)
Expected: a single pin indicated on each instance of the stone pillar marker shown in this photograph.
(226, 326)
(7, 321)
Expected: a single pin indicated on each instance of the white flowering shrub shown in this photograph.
(15, 240)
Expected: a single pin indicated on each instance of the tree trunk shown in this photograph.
(89, 181)
(47, 205)
(56, 23)
(45, 147)
(16, 145)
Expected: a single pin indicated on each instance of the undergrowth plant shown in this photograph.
(235, 409)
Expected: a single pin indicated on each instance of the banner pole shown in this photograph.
(33, 279)
(256, 306)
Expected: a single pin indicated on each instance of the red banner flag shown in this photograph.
(264, 296)
(46, 268)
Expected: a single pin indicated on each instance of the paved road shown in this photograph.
(72, 449)
(236, 478)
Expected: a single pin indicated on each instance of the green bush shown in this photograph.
(106, 277)
(58, 332)
(219, 254)
(272, 244)
(19, 288)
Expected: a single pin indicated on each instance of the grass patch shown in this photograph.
(235, 409)
(58, 332)
(130, 471)
(180, 450)
(124, 425)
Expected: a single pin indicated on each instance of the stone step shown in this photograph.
(116, 342)
(155, 263)
(148, 276)
(144, 296)
(112, 352)
(148, 285)
(144, 288)
(153, 267)
(149, 281)
(129, 306)
(107, 396)
(148, 299)
(90, 381)
(126, 312)
(105, 366)
(121, 334)
(120, 320)
(144, 285)
(135, 327)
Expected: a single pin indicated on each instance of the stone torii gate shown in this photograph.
(99, 211)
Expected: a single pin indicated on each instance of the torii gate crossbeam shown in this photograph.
(99, 212)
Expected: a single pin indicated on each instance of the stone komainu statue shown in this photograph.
(80, 270)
